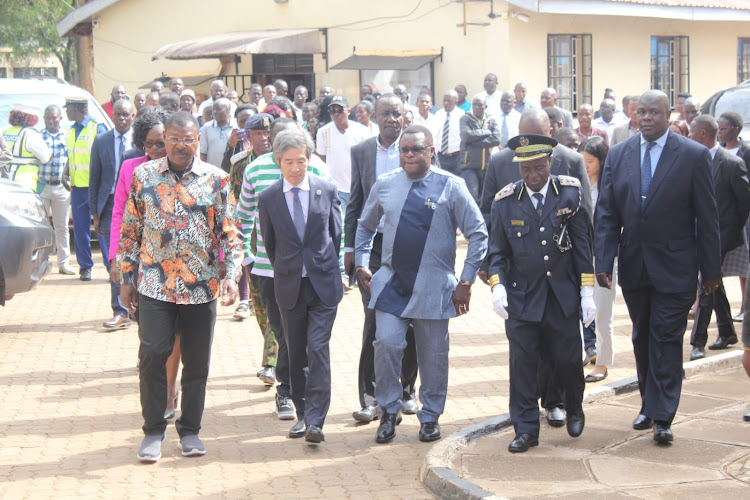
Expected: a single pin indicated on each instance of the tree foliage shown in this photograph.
(27, 27)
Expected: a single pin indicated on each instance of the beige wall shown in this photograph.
(32, 62)
(131, 31)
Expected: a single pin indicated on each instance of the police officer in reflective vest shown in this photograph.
(27, 146)
(80, 140)
(541, 271)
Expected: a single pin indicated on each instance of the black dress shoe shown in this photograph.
(314, 434)
(595, 378)
(86, 274)
(746, 417)
(697, 353)
(723, 343)
(387, 427)
(662, 433)
(366, 414)
(298, 430)
(642, 422)
(555, 416)
(575, 425)
(429, 431)
(522, 442)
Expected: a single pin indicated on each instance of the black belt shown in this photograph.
(54, 183)
(450, 155)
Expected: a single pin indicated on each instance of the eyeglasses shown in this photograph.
(187, 141)
(414, 149)
(336, 111)
(158, 144)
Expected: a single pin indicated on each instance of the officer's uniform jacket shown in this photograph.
(528, 254)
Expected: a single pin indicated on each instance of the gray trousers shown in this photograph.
(431, 338)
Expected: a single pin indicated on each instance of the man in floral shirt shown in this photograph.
(178, 222)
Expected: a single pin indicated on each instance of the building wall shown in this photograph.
(514, 50)
(32, 62)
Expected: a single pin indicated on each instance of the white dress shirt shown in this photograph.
(118, 161)
(655, 152)
(493, 102)
(542, 191)
(514, 120)
(454, 132)
(304, 198)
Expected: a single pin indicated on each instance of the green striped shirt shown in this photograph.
(260, 174)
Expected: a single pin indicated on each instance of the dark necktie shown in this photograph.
(299, 215)
(539, 203)
(446, 129)
(504, 132)
(646, 172)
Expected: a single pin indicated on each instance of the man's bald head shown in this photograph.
(123, 105)
(535, 121)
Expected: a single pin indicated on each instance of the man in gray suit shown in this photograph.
(421, 207)
(107, 154)
(548, 99)
(300, 219)
(370, 159)
(503, 171)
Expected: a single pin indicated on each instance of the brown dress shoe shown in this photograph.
(117, 322)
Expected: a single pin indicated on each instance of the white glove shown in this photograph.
(587, 305)
(248, 260)
(500, 300)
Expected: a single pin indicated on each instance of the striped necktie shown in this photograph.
(446, 129)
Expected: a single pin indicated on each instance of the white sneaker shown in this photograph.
(66, 269)
(150, 450)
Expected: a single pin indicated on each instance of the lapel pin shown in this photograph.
(318, 192)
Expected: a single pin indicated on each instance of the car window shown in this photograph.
(42, 101)
(734, 100)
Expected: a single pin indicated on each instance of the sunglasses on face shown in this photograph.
(149, 144)
(336, 111)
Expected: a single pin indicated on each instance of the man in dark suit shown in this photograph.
(300, 219)
(503, 171)
(733, 200)
(657, 212)
(370, 159)
(107, 154)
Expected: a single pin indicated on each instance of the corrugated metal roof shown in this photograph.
(709, 4)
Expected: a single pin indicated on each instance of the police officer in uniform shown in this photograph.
(540, 270)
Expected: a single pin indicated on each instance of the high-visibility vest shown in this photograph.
(24, 168)
(79, 153)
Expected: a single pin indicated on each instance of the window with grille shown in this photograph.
(569, 69)
(3, 72)
(670, 65)
(743, 60)
(34, 72)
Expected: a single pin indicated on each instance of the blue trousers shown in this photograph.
(431, 338)
(106, 226)
(79, 206)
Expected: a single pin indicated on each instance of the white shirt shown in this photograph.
(542, 191)
(493, 102)
(298, 112)
(454, 132)
(430, 122)
(128, 139)
(656, 150)
(337, 148)
(304, 198)
(609, 128)
(713, 151)
(513, 118)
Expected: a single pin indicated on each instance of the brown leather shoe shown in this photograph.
(117, 322)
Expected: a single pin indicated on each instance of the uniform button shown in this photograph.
(541, 229)
(544, 242)
(514, 285)
(549, 273)
(546, 257)
(519, 234)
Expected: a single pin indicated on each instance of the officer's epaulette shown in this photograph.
(566, 180)
(505, 192)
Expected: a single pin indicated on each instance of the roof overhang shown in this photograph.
(302, 41)
(78, 22)
(187, 81)
(664, 9)
(390, 60)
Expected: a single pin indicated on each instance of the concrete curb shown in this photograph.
(438, 477)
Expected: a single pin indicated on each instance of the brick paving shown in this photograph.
(70, 414)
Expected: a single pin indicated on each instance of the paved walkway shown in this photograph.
(70, 414)
(710, 457)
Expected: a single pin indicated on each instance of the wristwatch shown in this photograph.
(464, 282)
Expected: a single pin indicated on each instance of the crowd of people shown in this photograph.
(286, 203)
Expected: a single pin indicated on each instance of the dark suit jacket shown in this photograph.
(132, 153)
(102, 171)
(744, 153)
(675, 234)
(363, 177)
(319, 249)
(732, 198)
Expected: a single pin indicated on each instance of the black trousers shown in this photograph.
(659, 323)
(559, 338)
(449, 163)
(707, 303)
(156, 330)
(409, 365)
(268, 294)
(307, 328)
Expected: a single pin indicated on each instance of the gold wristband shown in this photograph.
(465, 283)
(494, 280)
